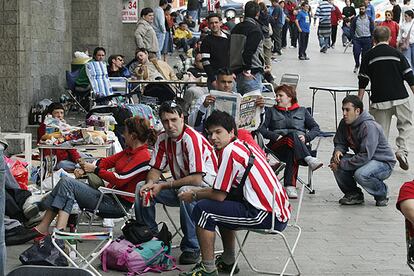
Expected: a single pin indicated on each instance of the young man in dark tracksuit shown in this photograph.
(246, 51)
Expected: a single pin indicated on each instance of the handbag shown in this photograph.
(136, 232)
(44, 253)
(404, 43)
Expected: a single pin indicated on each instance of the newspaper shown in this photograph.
(242, 108)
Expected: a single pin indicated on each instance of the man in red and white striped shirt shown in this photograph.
(242, 196)
(192, 162)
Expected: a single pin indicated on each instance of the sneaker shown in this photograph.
(31, 210)
(306, 58)
(302, 58)
(199, 270)
(356, 69)
(333, 46)
(402, 159)
(381, 202)
(352, 199)
(222, 267)
(291, 192)
(292, 47)
(24, 235)
(314, 163)
(189, 258)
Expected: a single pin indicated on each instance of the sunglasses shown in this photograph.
(120, 59)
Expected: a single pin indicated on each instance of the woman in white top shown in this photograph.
(407, 6)
(406, 29)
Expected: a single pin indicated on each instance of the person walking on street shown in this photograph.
(323, 12)
(303, 25)
(396, 11)
(387, 69)
(336, 17)
(407, 32)
(362, 27)
(277, 22)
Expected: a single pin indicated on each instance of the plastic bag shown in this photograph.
(57, 175)
(44, 253)
(19, 171)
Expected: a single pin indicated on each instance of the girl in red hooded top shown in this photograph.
(289, 127)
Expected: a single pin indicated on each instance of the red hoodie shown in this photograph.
(394, 28)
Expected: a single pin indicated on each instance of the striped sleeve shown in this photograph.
(226, 173)
(194, 149)
(159, 156)
(124, 178)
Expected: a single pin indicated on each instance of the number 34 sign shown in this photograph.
(129, 11)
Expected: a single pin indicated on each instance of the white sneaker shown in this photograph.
(291, 192)
(314, 163)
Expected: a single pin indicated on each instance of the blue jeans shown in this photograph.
(371, 177)
(189, 243)
(324, 41)
(69, 190)
(160, 39)
(361, 46)
(245, 85)
(409, 54)
(2, 210)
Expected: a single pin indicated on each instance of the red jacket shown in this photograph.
(336, 16)
(394, 28)
(131, 166)
(290, 7)
(71, 155)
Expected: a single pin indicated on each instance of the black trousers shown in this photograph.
(293, 30)
(333, 34)
(303, 43)
(284, 34)
(292, 151)
(277, 38)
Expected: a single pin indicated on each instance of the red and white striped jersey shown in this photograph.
(188, 154)
(260, 183)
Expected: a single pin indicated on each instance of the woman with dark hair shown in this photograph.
(393, 26)
(407, 31)
(289, 127)
(130, 167)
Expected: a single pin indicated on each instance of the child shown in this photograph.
(303, 23)
(66, 159)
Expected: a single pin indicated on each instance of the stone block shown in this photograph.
(10, 17)
(10, 31)
(10, 5)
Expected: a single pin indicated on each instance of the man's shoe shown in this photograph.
(314, 163)
(381, 202)
(199, 270)
(291, 192)
(352, 199)
(292, 47)
(222, 267)
(356, 69)
(402, 159)
(333, 46)
(22, 236)
(189, 258)
(302, 58)
(306, 58)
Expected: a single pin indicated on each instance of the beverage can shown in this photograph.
(146, 198)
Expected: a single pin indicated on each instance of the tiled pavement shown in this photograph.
(336, 240)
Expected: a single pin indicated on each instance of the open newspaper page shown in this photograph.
(249, 116)
(228, 102)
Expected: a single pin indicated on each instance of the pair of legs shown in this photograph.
(277, 38)
(61, 199)
(404, 115)
(293, 30)
(409, 54)
(334, 31)
(245, 85)
(371, 177)
(169, 197)
(324, 35)
(284, 34)
(303, 44)
(186, 43)
(228, 216)
(267, 51)
(346, 35)
(361, 46)
(292, 151)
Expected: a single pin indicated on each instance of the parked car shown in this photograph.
(228, 8)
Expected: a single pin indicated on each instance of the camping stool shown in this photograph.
(105, 238)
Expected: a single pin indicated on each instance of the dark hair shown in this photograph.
(96, 50)
(141, 50)
(390, 12)
(173, 14)
(162, 3)
(182, 23)
(224, 71)
(304, 3)
(168, 7)
(170, 107)
(54, 106)
(251, 9)
(381, 34)
(112, 57)
(406, 2)
(263, 7)
(355, 101)
(142, 129)
(146, 11)
(223, 119)
(410, 13)
(289, 90)
(212, 15)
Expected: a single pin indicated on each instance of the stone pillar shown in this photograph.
(35, 48)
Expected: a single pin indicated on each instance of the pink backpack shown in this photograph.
(152, 256)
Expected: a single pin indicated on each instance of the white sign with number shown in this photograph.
(130, 11)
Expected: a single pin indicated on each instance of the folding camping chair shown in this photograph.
(290, 79)
(105, 238)
(289, 247)
(70, 88)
